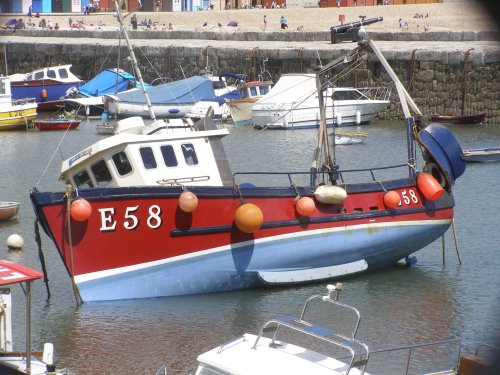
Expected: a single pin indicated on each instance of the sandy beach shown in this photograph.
(461, 16)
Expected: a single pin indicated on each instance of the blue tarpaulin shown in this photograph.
(108, 82)
(189, 90)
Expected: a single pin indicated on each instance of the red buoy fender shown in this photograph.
(429, 186)
(248, 218)
(80, 209)
(305, 206)
(392, 199)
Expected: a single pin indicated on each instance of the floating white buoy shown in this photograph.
(358, 117)
(15, 242)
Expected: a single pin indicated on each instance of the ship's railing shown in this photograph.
(364, 175)
(359, 352)
(376, 93)
(413, 348)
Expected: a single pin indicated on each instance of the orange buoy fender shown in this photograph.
(44, 94)
(429, 186)
(80, 209)
(330, 194)
(248, 218)
(305, 206)
(392, 199)
(188, 201)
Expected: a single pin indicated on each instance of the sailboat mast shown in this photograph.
(134, 60)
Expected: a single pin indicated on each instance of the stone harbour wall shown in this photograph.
(443, 82)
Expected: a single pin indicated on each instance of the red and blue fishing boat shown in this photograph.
(47, 85)
(155, 210)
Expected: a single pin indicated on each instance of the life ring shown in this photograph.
(434, 171)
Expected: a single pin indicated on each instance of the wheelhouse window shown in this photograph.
(189, 154)
(169, 156)
(38, 75)
(51, 73)
(264, 90)
(244, 93)
(82, 180)
(63, 73)
(253, 91)
(148, 158)
(122, 163)
(101, 173)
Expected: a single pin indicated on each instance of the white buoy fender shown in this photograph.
(15, 242)
(339, 119)
(358, 117)
(330, 194)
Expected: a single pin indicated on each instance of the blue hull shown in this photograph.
(238, 267)
(54, 92)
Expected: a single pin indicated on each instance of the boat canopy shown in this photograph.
(189, 90)
(108, 81)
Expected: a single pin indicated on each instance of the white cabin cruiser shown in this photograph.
(293, 103)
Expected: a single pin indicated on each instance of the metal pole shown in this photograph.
(456, 241)
(134, 60)
(28, 327)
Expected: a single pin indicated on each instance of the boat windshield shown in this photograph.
(347, 95)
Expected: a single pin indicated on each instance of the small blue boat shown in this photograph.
(46, 85)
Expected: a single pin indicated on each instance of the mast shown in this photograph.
(405, 99)
(119, 17)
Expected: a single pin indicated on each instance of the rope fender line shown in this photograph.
(76, 293)
(41, 257)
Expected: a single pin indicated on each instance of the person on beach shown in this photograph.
(283, 23)
(133, 21)
(265, 21)
(158, 4)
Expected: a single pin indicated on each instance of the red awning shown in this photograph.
(12, 273)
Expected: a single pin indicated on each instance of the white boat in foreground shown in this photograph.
(8, 210)
(269, 353)
(293, 104)
(15, 362)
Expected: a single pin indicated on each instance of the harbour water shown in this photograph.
(401, 305)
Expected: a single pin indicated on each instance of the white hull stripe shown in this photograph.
(116, 271)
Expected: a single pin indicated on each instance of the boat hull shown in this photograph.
(56, 124)
(123, 109)
(85, 107)
(33, 89)
(482, 155)
(154, 249)
(307, 115)
(17, 116)
(8, 210)
(476, 118)
(241, 110)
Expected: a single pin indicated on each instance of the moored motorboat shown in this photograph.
(8, 210)
(321, 340)
(16, 362)
(475, 118)
(47, 85)
(250, 93)
(56, 124)
(207, 229)
(87, 100)
(293, 104)
(482, 154)
(14, 114)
